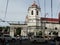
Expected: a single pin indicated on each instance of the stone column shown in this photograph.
(59, 32)
(12, 31)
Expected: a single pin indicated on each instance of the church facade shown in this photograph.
(35, 23)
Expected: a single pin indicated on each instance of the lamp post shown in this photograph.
(44, 24)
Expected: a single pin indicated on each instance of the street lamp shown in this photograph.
(44, 24)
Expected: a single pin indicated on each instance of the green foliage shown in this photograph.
(1, 28)
(18, 31)
(7, 28)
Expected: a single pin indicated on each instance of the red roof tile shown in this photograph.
(50, 19)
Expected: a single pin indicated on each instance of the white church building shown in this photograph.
(35, 23)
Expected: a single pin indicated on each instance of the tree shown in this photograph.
(7, 28)
(1, 31)
(0, 28)
(18, 31)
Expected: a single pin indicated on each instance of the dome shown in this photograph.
(34, 4)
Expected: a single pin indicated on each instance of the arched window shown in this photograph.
(55, 28)
(55, 33)
(36, 12)
(50, 33)
(45, 27)
(32, 12)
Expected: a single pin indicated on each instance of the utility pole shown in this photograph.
(51, 15)
(51, 10)
(6, 9)
(44, 23)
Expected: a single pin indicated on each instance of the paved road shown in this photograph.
(26, 42)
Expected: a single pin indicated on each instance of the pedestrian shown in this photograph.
(20, 41)
(6, 42)
(3, 41)
(59, 43)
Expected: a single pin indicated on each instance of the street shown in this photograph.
(25, 42)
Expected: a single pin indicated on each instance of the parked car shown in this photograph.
(37, 39)
(7, 37)
(24, 37)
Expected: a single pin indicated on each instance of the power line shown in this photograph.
(6, 8)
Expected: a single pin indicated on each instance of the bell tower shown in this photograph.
(33, 17)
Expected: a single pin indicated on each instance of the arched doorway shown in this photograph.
(18, 31)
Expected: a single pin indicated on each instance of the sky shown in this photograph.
(18, 9)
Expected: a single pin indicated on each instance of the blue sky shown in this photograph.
(17, 9)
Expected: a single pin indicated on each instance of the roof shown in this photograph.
(34, 4)
(4, 24)
(50, 19)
